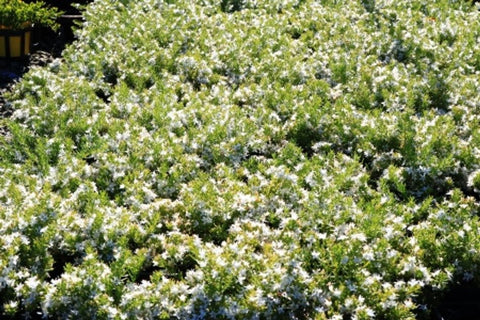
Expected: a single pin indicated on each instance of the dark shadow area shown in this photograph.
(461, 302)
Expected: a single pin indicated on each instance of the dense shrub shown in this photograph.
(246, 159)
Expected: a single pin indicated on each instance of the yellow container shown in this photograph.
(14, 44)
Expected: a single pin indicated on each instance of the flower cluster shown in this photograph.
(210, 159)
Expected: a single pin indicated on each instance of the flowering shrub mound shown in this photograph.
(246, 160)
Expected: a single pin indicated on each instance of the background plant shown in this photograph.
(16, 14)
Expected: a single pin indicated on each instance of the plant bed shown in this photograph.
(246, 159)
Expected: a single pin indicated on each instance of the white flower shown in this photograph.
(358, 236)
(32, 283)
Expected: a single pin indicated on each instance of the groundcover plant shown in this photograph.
(222, 159)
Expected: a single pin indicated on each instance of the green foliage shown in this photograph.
(242, 159)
